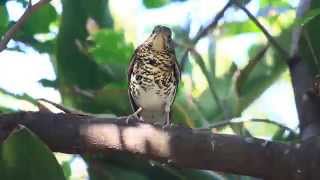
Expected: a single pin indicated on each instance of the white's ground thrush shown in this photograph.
(153, 77)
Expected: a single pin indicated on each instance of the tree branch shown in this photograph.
(203, 32)
(17, 26)
(272, 41)
(179, 146)
(229, 122)
(303, 80)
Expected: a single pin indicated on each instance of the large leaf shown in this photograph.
(235, 28)
(40, 20)
(74, 67)
(309, 44)
(24, 156)
(3, 19)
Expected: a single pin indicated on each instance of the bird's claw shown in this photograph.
(133, 117)
(163, 125)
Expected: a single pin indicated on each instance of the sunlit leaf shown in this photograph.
(272, 3)
(66, 169)
(236, 28)
(155, 3)
(40, 20)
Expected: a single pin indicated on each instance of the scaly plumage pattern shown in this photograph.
(153, 77)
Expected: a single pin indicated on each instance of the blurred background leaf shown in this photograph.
(24, 156)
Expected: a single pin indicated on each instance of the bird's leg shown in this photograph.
(166, 122)
(134, 115)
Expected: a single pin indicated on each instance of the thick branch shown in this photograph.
(302, 81)
(184, 147)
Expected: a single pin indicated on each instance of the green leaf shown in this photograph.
(155, 3)
(5, 109)
(4, 19)
(40, 20)
(3, 2)
(274, 4)
(48, 83)
(110, 47)
(308, 17)
(24, 156)
(245, 72)
(66, 169)
(309, 43)
(236, 28)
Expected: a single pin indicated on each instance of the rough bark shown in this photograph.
(179, 146)
(302, 81)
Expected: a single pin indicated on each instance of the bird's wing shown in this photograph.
(177, 73)
(130, 69)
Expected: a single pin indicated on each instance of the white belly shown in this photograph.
(150, 99)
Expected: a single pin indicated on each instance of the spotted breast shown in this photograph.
(153, 77)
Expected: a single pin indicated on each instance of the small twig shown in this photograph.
(62, 108)
(201, 63)
(232, 121)
(203, 32)
(271, 39)
(245, 72)
(17, 26)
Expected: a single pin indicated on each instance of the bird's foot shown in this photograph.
(163, 125)
(133, 118)
(167, 125)
(167, 122)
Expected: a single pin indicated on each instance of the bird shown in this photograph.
(153, 78)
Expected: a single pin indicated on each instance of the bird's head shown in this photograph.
(160, 39)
